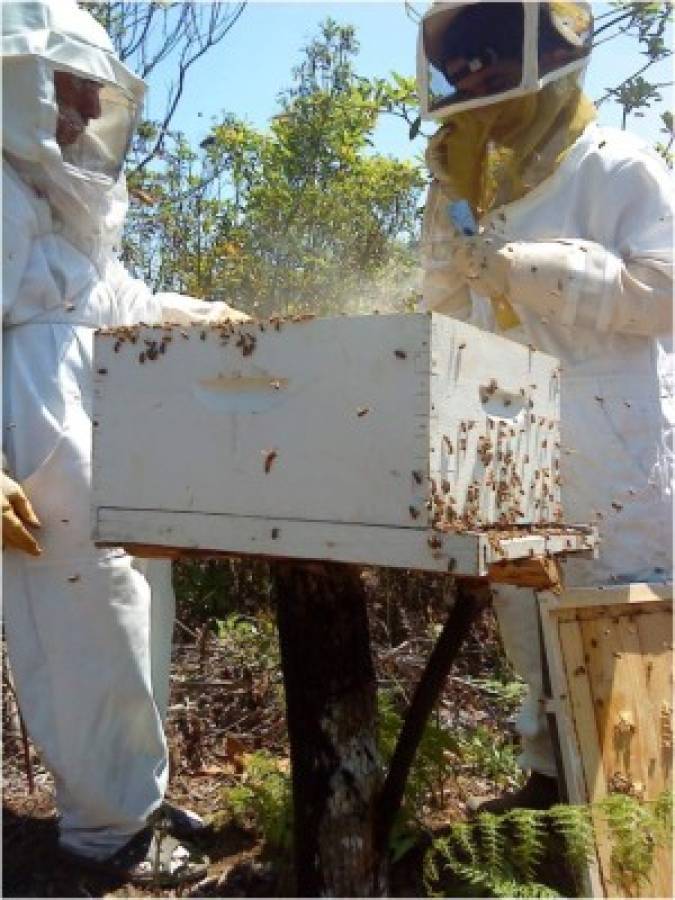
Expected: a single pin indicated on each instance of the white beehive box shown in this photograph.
(405, 440)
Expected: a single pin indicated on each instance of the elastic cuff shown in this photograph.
(607, 268)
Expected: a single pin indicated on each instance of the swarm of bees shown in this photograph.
(507, 487)
(243, 333)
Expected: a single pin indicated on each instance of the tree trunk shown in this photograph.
(331, 703)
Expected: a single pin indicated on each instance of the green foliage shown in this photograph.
(647, 24)
(528, 841)
(508, 693)
(478, 859)
(212, 589)
(304, 217)
(574, 826)
(636, 829)
(499, 856)
(253, 641)
(430, 768)
(665, 148)
(487, 752)
(262, 800)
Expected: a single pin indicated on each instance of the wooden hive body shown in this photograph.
(368, 439)
(610, 658)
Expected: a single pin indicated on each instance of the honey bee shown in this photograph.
(270, 456)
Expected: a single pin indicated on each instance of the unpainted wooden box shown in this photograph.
(398, 440)
(610, 660)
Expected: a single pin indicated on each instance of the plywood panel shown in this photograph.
(583, 712)
(655, 637)
(616, 663)
(613, 594)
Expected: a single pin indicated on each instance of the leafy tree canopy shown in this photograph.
(305, 217)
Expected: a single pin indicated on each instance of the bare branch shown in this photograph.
(148, 34)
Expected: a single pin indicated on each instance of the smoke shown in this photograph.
(394, 287)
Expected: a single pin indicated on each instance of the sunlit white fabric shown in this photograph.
(591, 283)
(80, 181)
(88, 630)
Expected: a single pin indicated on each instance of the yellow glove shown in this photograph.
(17, 512)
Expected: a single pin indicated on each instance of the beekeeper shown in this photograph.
(88, 630)
(573, 256)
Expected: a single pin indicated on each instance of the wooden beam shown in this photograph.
(541, 573)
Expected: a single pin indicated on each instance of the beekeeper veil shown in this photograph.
(69, 109)
(479, 53)
(505, 81)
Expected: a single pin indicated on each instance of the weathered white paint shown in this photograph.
(385, 440)
(494, 428)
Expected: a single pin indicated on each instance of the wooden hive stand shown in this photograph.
(610, 662)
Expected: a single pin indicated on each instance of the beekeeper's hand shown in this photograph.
(223, 313)
(178, 309)
(17, 513)
(485, 262)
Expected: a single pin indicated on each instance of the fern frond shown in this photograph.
(529, 839)
(663, 818)
(633, 842)
(491, 840)
(574, 825)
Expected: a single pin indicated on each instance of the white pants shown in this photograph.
(89, 645)
(518, 616)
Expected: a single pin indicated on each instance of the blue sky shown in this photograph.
(246, 72)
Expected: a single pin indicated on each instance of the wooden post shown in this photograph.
(331, 704)
(473, 595)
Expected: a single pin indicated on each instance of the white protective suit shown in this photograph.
(89, 631)
(591, 282)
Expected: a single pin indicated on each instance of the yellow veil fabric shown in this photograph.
(499, 153)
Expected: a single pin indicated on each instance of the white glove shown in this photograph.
(574, 282)
(178, 309)
(485, 262)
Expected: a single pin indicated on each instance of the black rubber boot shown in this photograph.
(182, 823)
(538, 792)
(150, 859)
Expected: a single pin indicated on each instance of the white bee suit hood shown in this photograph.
(83, 180)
